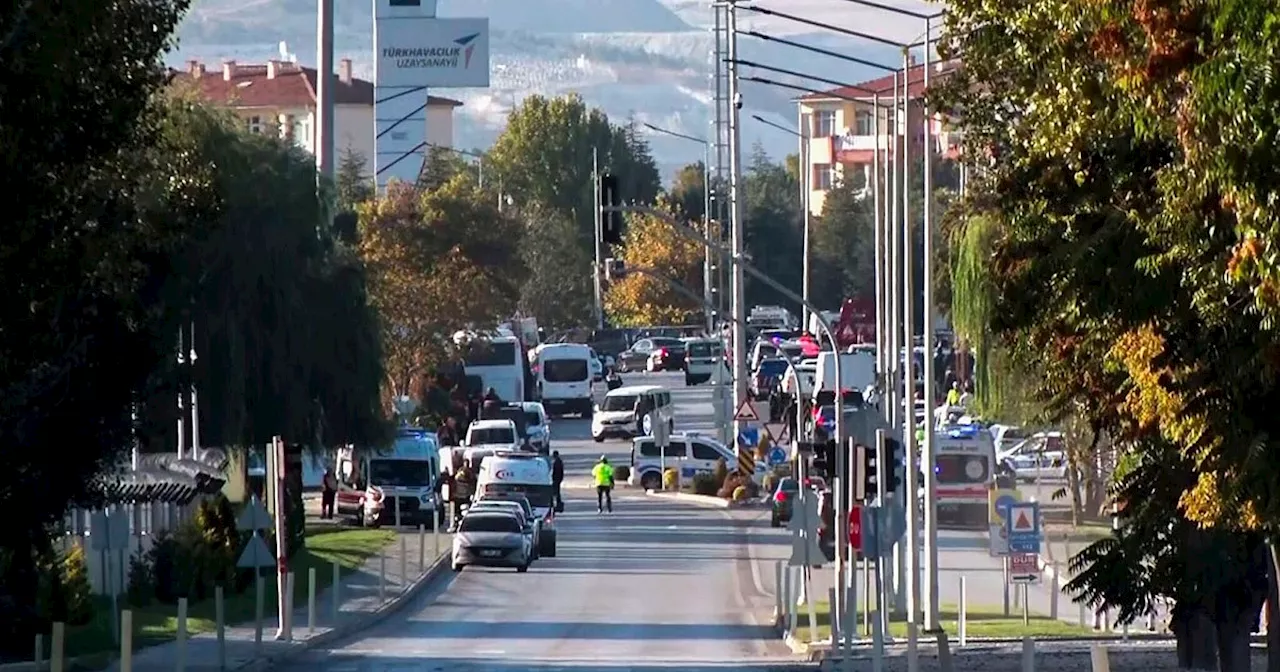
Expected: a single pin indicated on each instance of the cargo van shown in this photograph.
(615, 416)
(858, 371)
(702, 357)
(564, 378)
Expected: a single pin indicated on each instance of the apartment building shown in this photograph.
(841, 128)
(280, 97)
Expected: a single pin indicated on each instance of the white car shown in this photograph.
(482, 505)
(615, 416)
(1044, 455)
(499, 434)
(491, 539)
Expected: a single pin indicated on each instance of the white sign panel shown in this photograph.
(432, 52)
(413, 9)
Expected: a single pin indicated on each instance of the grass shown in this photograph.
(980, 622)
(158, 623)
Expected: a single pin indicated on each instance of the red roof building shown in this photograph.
(280, 97)
(841, 126)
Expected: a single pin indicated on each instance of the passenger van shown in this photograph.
(689, 452)
(564, 378)
(615, 416)
(703, 356)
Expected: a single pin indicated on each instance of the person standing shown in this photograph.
(328, 494)
(557, 478)
(448, 434)
(603, 475)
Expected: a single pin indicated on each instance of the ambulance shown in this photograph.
(965, 470)
(373, 485)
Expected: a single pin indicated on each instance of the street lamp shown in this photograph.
(805, 191)
(708, 262)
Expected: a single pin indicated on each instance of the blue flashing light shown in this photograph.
(963, 431)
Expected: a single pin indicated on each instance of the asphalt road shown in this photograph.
(657, 585)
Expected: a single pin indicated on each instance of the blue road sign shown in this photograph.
(777, 455)
(871, 527)
(1003, 502)
(1023, 525)
(882, 527)
(749, 436)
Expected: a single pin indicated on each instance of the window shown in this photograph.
(487, 353)
(705, 349)
(643, 346)
(490, 523)
(664, 399)
(565, 371)
(618, 403)
(824, 124)
(301, 132)
(702, 451)
(676, 450)
(532, 418)
(498, 435)
(823, 177)
(400, 473)
(961, 469)
(255, 124)
(862, 124)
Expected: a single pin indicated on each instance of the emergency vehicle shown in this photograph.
(371, 483)
(965, 471)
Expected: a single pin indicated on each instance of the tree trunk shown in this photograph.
(1273, 607)
(1197, 640)
(1234, 632)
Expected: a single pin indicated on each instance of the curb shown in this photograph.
(358, 625)
(703, 500)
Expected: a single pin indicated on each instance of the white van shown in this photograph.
(689, 452)
(371, 483)
(565, 377)
(499, 361)
(858, 370)
(965, 470)
(511, 473)
(701, 359)
(615, 416)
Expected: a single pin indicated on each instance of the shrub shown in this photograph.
(219, 543)
(705, 484)
(731, 482)
(78, 592)
(740, 493)
(142, 585)
(721, 472)
(622, 473)
(51, 592)
(671, 479)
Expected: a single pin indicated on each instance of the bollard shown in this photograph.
(778, 601)
(57, 646)
(335, 588)
(1028, 655)
(422, 549)
(1017, 595)
(39, 652)
(311, 601)
(868, 587)
(404, 561)
(382, 578)
(792, 612)
(397, 502)
(837, 624)
(1026, 604)
(1053, 595)
(877, 643)
(289, 601)
(1007, 611)
(1124, 634)
(220, 625)
(913, 648)
(850, 629)
(180, 641)
(126, 640)
(1084, 619)
(1098, 658)
(962, 625)
(435, 536)
(258, 609)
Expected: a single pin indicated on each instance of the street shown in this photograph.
(655, 585)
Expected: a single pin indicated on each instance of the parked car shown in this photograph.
(636, 358)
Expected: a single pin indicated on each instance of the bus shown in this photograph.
(500, 363)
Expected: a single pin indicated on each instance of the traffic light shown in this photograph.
(892, 463)
(865, 472)
(824, 459)
(612, 222)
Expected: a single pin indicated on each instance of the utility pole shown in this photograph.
(930, 393)
(324, 90)
(182, 407)
(708, 262)
(738, 307)
(598, 230)
(805, 189)
(882, 260)
(898, 388)
(908, 368)
(195, 400)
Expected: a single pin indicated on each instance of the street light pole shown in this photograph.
(805, 189)
(930, 394)
(908, 337)
(737, 246)
(599, 228)
(708, 263)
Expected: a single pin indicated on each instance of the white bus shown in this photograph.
(500, 363)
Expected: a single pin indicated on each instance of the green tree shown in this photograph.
(559, 289)
(642, 299)
(772, 233)
(688, 191)
(843, 248)
(83, 250)
(544, 156)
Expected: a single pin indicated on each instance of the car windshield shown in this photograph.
(619, 402)
(789, 485)
(538, 496)
(565, 371)
(962, 469)
(502, 435)
(704, 349)
(668, 343)
(492, 523)
(772, 368)
(400, 473)
(533, 418)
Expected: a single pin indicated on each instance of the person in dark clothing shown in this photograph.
(449, 433)
(492, 395)
(557, 477)
(328, 494)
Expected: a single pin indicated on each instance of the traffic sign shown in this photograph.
(855, 526)
(998, 503)
(805, 550)
(749, 437)
(254, 517)
(109, 530)
(1023, 525)
(777, 455)
(747, 411)
(256, 554)
(776, 431)
(1024, 567)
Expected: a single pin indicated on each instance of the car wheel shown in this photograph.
(651, 481)
(523, 568)
(598, 439)
(774, 522)
(548, 546)
(457, 567)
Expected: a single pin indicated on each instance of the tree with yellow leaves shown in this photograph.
(640, 299)
(438, 261)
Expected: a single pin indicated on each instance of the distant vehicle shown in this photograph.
(491, 539)
(703, 357)
(497, 434)
(688, 452)
(537, 426)
(965, 470)
(565, 377)
(615, 416)
(767, 376)
(783, 500)
(525, 479)
(499, 361)
(1043, 455)
(666, 358)
(371, 483)
(636, 358)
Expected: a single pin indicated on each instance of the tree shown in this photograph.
(352, 186)
(773, 234)
(843, 248)
(559, 290)
(439, 261)
(641, 299)
(1121, 271)
(688, 191)
(544, 156)
(82, 250)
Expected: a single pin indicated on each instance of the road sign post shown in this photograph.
(256, 555)
(1023, 525)
(998, 503)
(109, 536)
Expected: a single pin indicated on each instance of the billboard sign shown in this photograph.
(414, 52)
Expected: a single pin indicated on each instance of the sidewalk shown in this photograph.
(360, 606)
